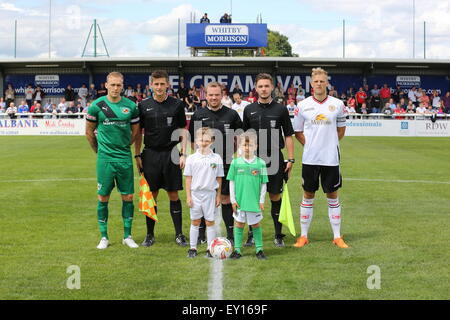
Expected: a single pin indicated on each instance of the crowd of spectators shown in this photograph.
(226, 18)
(365, 100)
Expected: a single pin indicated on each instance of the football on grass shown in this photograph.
(220, 248)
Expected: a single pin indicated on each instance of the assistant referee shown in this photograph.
(160, 115)
(225, 121)
(268, 117)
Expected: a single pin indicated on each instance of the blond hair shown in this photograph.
(248, 136)
(318, 71)
(114, 74)
(214, 84)
(204, 131)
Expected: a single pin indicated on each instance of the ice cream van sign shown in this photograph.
(230, 35)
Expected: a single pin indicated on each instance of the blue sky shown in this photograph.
(374, 28)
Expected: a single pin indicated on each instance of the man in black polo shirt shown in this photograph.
(160, 116)
(226, 121)
(271, 119)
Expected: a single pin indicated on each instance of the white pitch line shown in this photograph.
(215, 284)
(48, 180)
(397, 181)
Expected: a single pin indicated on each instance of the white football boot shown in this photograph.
(103, 244)
(130, 242)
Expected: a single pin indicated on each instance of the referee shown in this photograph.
(226, 121)
(160, 116)
(271, 117)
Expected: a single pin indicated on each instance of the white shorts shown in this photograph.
(203, 205)
(248, 217)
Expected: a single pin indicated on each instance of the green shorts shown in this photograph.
(110, 174)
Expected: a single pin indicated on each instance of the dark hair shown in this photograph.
(262, 76)
(158, 74)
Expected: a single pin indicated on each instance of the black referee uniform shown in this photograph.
(225, 120)
(271, 116)
(159, 120)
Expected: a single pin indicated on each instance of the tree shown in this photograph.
(278, 45)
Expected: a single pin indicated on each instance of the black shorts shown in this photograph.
(160, 172)
(330, 178)
(276, 181)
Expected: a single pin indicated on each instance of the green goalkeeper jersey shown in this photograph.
(114, 122)
(248, 179)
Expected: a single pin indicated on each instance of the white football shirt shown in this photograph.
(319, 122)
(204, 170)
(240, 108)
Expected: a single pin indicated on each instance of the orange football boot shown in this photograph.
(301, 242)
(340, 243)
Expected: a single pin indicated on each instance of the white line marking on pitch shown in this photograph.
(397, 181)
(215, 284)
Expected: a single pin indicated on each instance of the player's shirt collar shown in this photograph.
(265, 104)
(220, 108)
(251, 160)
(318, 101)
(153, 96)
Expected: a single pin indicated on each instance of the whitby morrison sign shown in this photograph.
(217, 35)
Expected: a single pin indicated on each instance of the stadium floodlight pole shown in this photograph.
(15, 38)
(231, 8)
(50, 29)
(178, 37)
(343, 38)
(424, 41)
(414, 29)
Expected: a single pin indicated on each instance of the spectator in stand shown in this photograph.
(292, 92)
(54, 111)
(399, 110)
(398, 92)
(351, 102)
(170, 91)
(226, 100)
(279, 93)
(139, 90)
(23, 108)
(203, 104)
(430, 110)
(441, 108)
(387, 109)
(350, 92)
(392, 104)
(62, 106)
(182, 92)
(69, 94)
(236, 89)
(205, 18)
(133, 97)
(291, 106)
(83, 94)
(360, 98)
(202, 93)
(403, 103)
(364, 109)
(79, 109)
(251, 98)
(419, 94)
(375, 90)
(9, 94)
(37, 108)
(446, 101)
(436, 100)
(301, 91)
(299, 98)
(92, 93)
(225, 18)
(344, 98)
(102, 91)
(71, 109)
(48, 109)
(2, 103)
(12, 110)
(239, 104)
(2, 110)
(29, 91)
(385, 94)
(410, 109)
(421, 109)
(350, 109)
(189, 101)
(412, 95)
(424, 98)
(333, 92)
(47, 105)
(128, 92)
(147, 92)
(38, 95)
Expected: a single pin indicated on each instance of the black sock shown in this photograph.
(150, 224)
(202, 229)
(250, 231)
(228, 220)
(175, 212)
(275, 211)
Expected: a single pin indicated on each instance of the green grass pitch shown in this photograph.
(48, 223)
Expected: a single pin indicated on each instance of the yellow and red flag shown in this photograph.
(147, 204)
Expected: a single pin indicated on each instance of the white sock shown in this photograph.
(334, 213)
(193, 236)
(210, 234)
(306, 213)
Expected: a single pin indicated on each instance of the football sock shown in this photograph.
(257, 235)
(227, 216)
(306, 213)
(238, 236)
(250, 231)
(275, 211)
(127, 217)
(151, 224)
(210, 234)
(193, 236)
(175, 212)
(102, 217)
(334, 213)
(202, 230)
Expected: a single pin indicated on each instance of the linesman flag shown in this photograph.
(286, 211)
(147, 204)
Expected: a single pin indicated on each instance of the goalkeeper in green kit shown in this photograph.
(117, 122)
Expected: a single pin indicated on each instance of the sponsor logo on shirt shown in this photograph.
(169, 121)
(273, 123)
(308, 109)
(255, 172)
(125, 110)
(213, 165)
(321, 119)
(332, 108)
